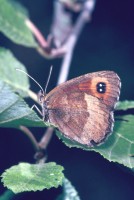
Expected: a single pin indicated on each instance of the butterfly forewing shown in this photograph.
(82, 108)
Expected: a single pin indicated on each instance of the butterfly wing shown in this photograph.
(82, 108)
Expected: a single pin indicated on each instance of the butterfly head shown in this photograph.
(43, 102)
(41, 96)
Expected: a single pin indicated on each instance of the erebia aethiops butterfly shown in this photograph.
(82, 108)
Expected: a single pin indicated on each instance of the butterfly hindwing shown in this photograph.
(82, 108)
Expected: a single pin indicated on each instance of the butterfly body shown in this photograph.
(82, 108)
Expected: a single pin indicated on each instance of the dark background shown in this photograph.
(107, 43)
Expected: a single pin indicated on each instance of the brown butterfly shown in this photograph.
(82, 108)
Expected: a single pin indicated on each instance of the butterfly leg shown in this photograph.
(34, 106)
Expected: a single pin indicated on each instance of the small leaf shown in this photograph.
(8, 73)
(14, 111)
(32, 177)
(119, 147)
(125, 105)
(69, 192)
(13, 23)
(8, 195)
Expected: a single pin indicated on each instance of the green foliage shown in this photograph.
(8, 195)
(13, 109)
(33, 177)
(125, 105)
(118, 147)
(69, 191)
(13, 23)
(9, 75)
(14, 112)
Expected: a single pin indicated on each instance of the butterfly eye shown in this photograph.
(40, 96)
(101, 87)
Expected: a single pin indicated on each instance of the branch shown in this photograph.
(46, 138)
(31, 137)
(85, 16)
(66, 50)
(46, 48)
(41, 40)
(69, 46)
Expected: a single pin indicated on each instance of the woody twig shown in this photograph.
(64, 34)
(63, 47)
(69, 46)
(84, 17)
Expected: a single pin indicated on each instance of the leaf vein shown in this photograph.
(12, 119)
(14, 31)
(110, 152)
(129, 152)
(121, 136)
(9, 106)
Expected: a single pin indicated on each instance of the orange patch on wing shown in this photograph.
(90, 87)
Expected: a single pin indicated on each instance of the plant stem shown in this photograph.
(46, 138)
(68, 48)
(71, 42)
(31, 137)
(37, 34)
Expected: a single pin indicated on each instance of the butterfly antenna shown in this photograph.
(32, 79)
(50, 72)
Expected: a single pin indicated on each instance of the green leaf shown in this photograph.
(8, 195)
(13, 23)
(119, 147)
(8, 73)
(32, 177)
(69, 192)
(14, 111)
(125, 105)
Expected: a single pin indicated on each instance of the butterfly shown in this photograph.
(82, 108)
